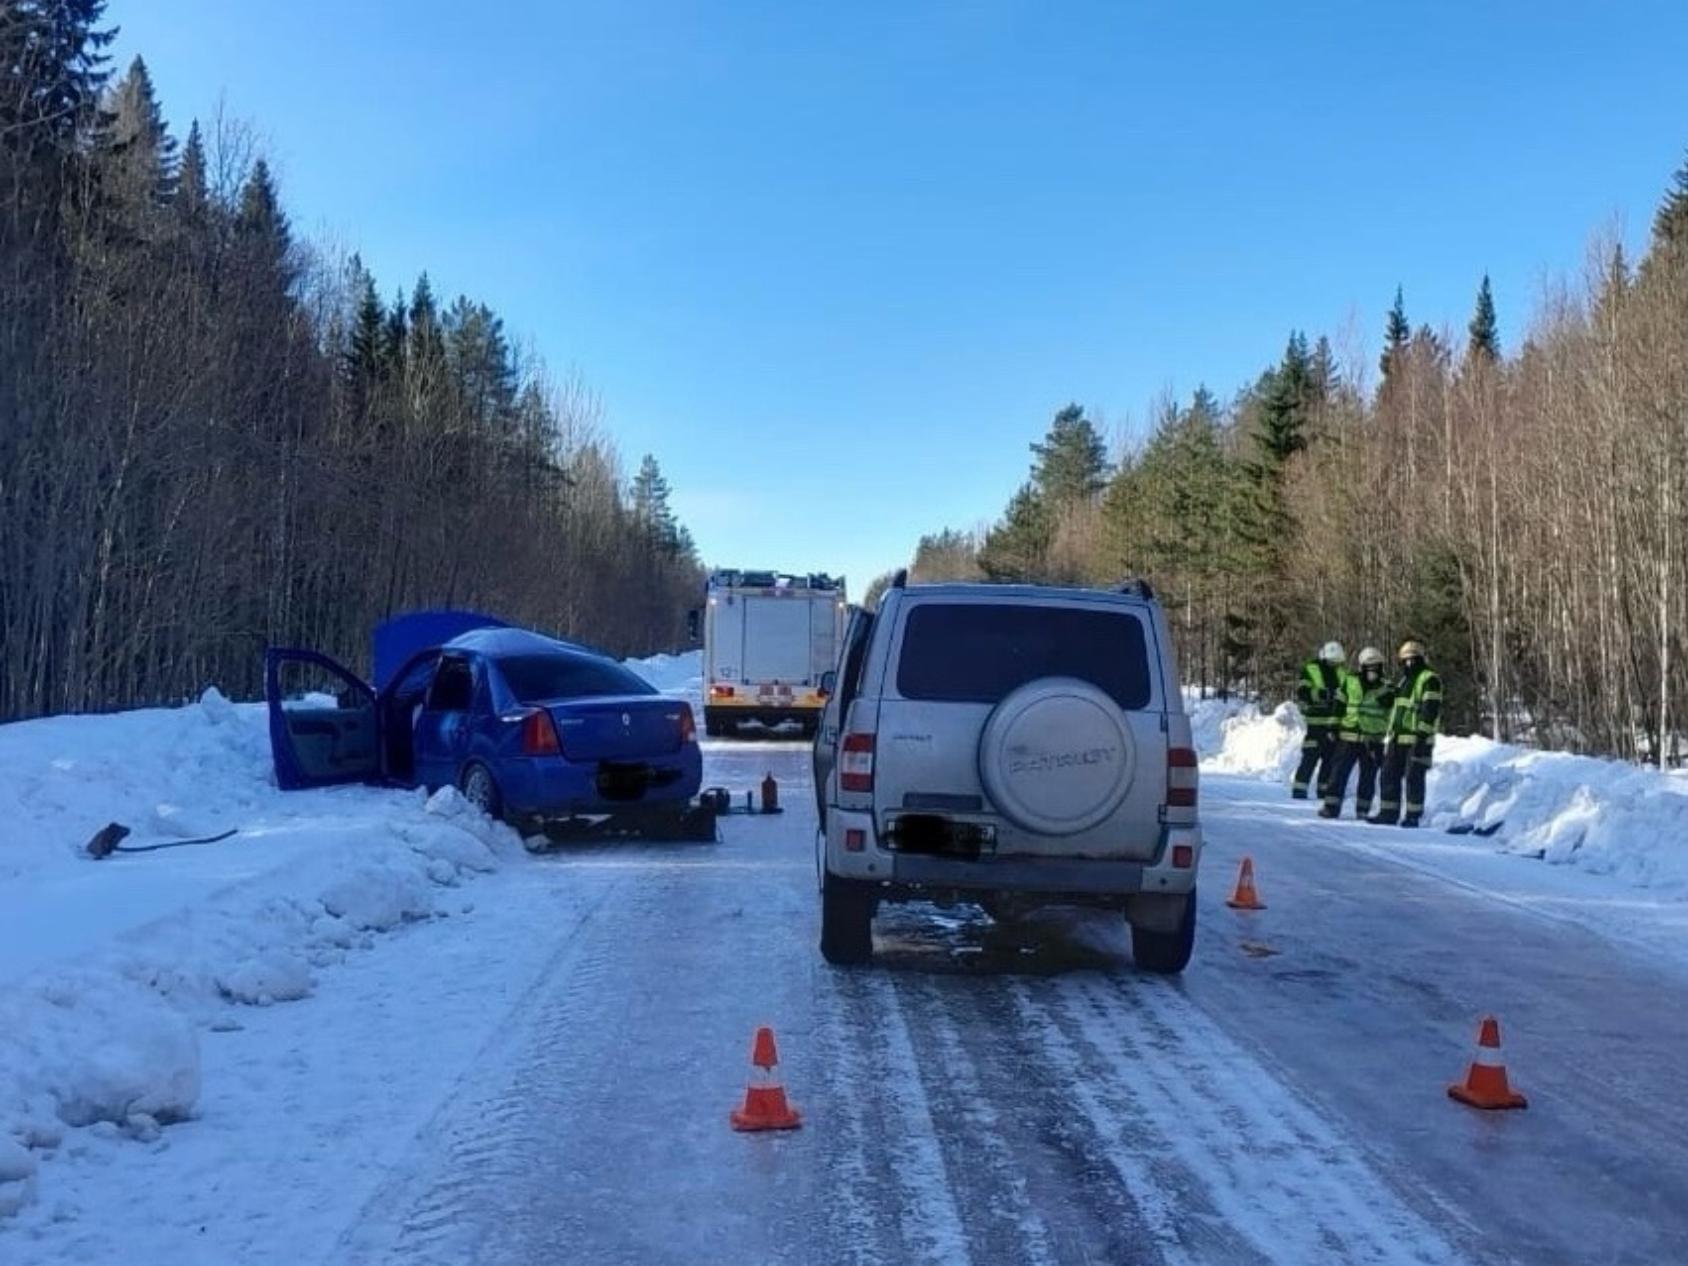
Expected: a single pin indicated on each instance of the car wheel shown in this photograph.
(480, 790)
(846, 922)
(1167, 953)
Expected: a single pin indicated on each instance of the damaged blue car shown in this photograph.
(532, 729)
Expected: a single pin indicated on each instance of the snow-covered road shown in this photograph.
(545, 1075)
(1020, 1094)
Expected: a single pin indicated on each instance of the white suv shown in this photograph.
(1013, 746)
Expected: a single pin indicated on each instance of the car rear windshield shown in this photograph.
(978, 653)
(537, 678)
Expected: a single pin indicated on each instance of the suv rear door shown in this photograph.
(955, 659)
(844, 689)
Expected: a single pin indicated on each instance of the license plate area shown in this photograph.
(933, 835)
(622, 781)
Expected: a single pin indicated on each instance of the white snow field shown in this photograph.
(372, 1028)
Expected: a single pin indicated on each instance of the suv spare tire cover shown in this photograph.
(1056, 757)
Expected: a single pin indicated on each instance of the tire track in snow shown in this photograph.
(1005, 1225)
(1271, 1169)
(471, 1153)
(929, 1224)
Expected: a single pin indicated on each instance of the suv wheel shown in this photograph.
(1167, 953)
(846, 922)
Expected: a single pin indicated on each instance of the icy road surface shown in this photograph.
(1017, 1094)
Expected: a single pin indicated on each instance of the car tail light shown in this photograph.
(539, 735)
(720, 692)
(855, 764)
(1181, 778)
(688, 725)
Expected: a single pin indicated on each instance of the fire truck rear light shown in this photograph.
(720, 692)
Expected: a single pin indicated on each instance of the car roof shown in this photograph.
(980, 592)
(506, 641)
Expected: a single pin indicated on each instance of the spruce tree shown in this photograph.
(137, 153)
(1670, 223)
(1288, 391)
(651, 509)
(363, 356)
(192, 201)
(1396, 335)
(394, 338)
(1485, 334)
(52, 66)
(262, 234)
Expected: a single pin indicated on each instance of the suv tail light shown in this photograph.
(688, 725)
(855, 763)
(539, 735)
(1181, 778)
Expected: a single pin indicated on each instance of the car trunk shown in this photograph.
(632, 727)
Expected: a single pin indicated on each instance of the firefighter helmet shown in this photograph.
(1371, 657)
(1411, 649)
(1332, 653)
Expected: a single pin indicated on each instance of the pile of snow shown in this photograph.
(1603, 816)
(1233, 737)
(678, 675)
(110, 971)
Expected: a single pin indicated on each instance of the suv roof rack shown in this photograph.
(1138, 586)
(900, 580)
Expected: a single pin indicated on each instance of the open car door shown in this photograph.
(324, 726)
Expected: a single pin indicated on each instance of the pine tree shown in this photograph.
(1485, 334)
(1396, 335)
(651, 509)
(1670, 224)
(1017, 549)
(1072, 461)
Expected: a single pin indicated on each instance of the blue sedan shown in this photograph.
(530, 728)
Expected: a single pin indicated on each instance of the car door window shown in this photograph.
(453, 689)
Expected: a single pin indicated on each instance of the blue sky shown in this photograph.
(837, 265)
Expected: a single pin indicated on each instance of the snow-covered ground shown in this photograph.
(256, 1037)
(1613, 836)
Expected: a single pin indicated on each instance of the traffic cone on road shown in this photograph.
(1245, 897)
(1485, 1084)
(765, 1106)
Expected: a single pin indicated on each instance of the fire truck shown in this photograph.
(767, 639)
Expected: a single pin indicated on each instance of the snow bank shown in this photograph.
(1603, 816)
(110, 971)
(1233, 737)
(678, 675)
(1606, 817)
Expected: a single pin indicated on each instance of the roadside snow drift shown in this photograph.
(111, 970)
(1602, 816)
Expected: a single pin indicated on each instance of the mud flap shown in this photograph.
(1156, 911)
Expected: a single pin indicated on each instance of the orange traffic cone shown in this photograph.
(1245, 897)
(1485, 1084)
(765, 1107)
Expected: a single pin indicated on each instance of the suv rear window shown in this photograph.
(541, 678)
(979, 652)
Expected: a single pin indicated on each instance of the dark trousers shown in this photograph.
(1408, 763)
(1352, 750)
(1318, 750)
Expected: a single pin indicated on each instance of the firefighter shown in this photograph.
(1414, 721)
(1367, 701)
(1319, 695)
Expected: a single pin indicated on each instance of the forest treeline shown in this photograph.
(1524, 512)
(215, 436)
